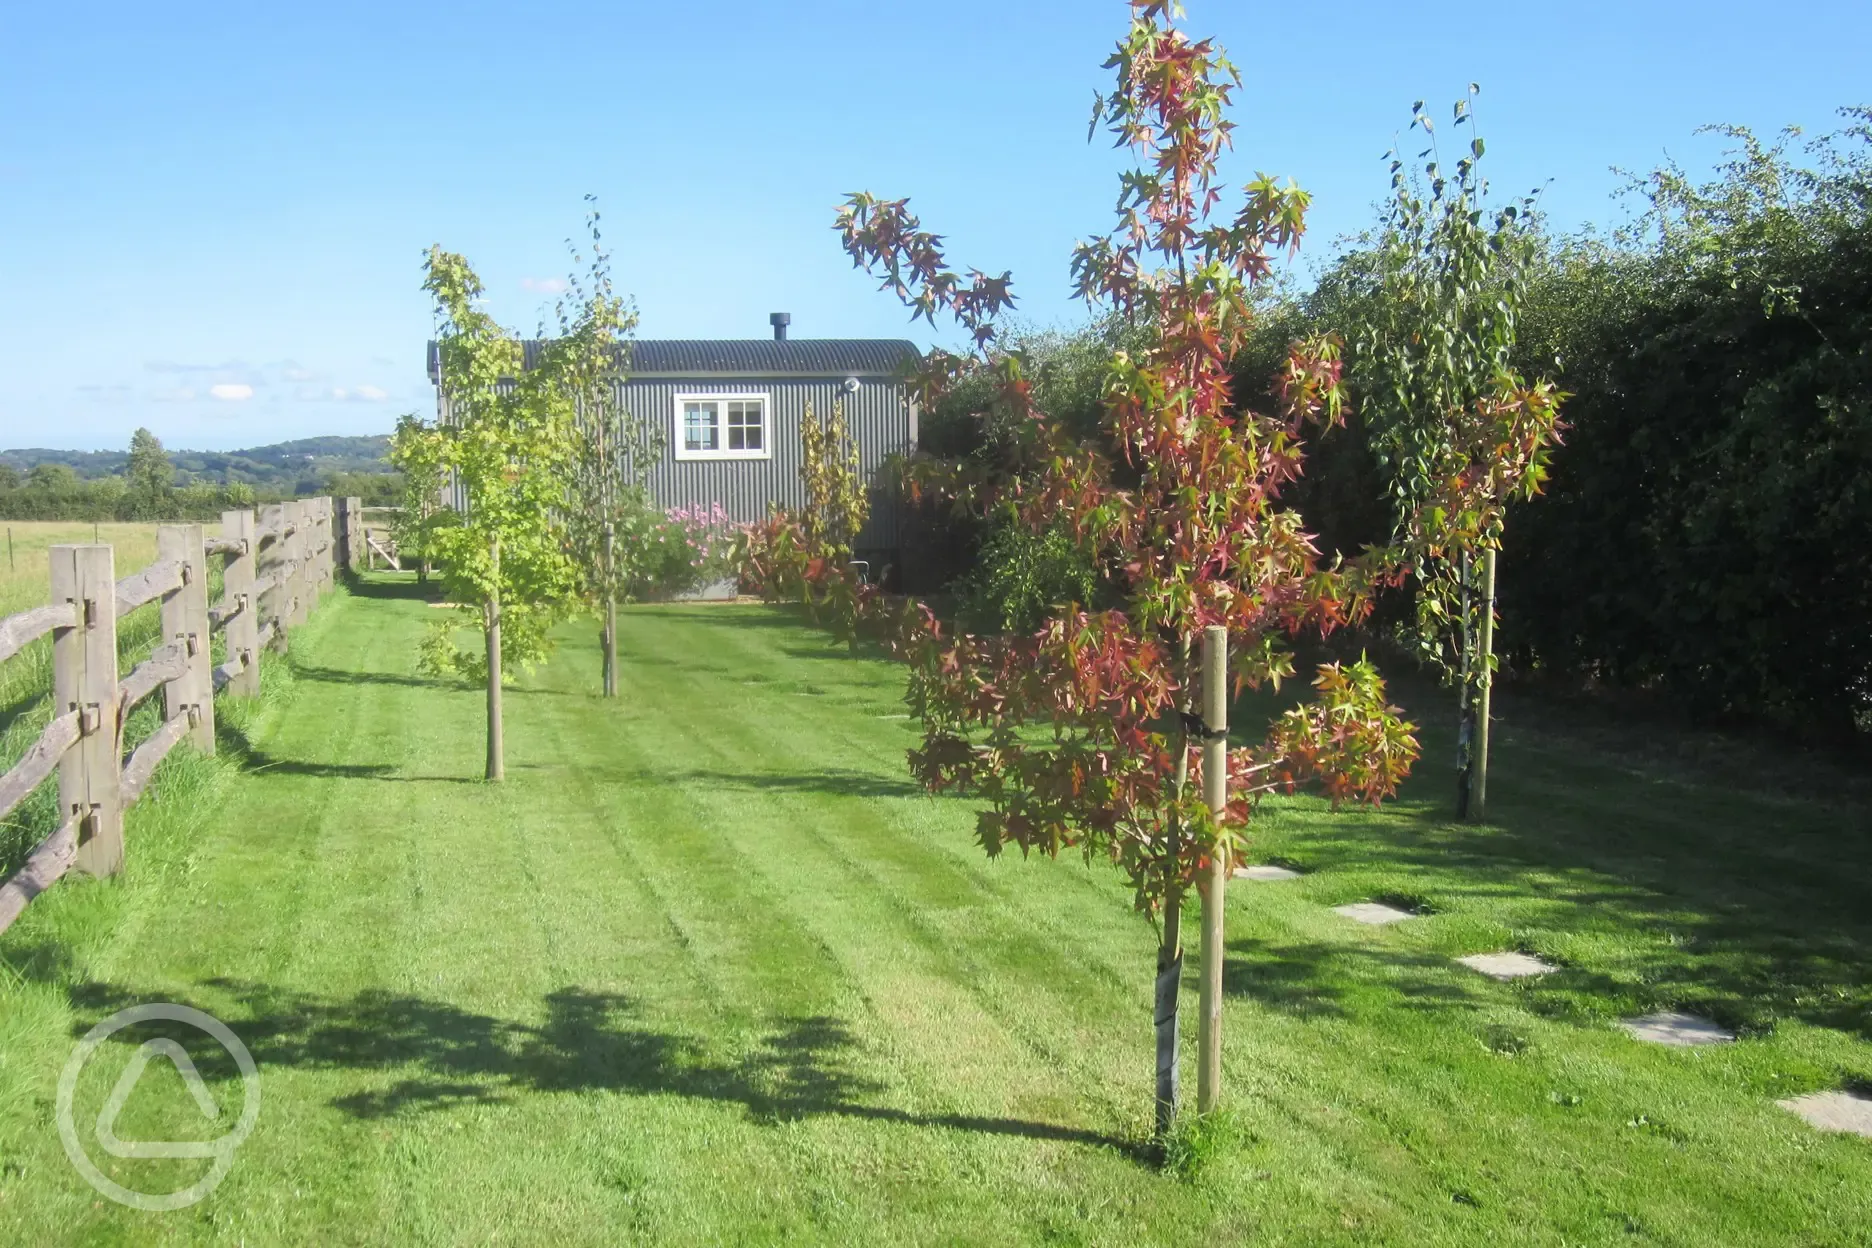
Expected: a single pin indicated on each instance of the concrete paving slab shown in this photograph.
(1507, 965)
(1265, 872)
(1673, 1028)
(1375, 913)
(1834, 1111)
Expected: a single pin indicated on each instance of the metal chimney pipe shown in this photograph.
(779, 321)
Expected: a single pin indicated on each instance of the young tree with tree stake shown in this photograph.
(1188, 516)
(1447, 414)
(613, 451)
(507, 441)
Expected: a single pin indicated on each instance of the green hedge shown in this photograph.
(102, 501)
(1707, 533)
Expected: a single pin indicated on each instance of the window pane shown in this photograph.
(701, 422)
(745, 424)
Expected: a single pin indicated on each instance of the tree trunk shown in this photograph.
(1215, 885)
(1170, 948)
(1169, 981)
(496, 766)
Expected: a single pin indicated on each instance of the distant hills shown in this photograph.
(279, 466)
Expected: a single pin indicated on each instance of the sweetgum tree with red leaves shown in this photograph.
(1080, 736)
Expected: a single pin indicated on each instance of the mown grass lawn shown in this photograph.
(708, 969)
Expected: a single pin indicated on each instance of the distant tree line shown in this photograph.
(144, 485)
(298, 467)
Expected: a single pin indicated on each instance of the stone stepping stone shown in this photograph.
(1375, 913)
(1834, 1111)
(1265, 872)
(1679, 1030)
(1507, 965)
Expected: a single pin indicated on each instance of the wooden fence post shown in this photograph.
(331, 542)
(84, 678)
(327, 542)
(321, 546)
(271, 567)
(347, 526)
(185, 619)
(314, 567)
(1215, 883)
(237, 581)
(297, 548)
(309, 573)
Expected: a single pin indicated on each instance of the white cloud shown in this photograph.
(232, 392)
(355, 394)
(544, 285)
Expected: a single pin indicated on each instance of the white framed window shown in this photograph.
(723, 426)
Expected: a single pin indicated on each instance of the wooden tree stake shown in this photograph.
(610, 624)
(84, 678)
(496, 763)
(1485, 680)
(1215, 881)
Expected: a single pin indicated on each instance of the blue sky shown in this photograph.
(212, 217)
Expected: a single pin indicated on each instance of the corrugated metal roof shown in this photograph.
(767, 357)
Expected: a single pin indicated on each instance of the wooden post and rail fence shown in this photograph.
(276, 567)
(378, 536)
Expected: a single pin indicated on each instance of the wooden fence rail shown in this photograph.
(295, 543)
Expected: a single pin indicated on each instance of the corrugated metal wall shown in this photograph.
(876, 415)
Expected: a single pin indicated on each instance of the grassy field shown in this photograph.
(707, 969)
(25, 581)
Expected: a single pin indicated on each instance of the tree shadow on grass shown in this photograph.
(259, 761)
(724, 616)
(831, 781)
(436, 1055)
(234, 743)
(369, 586)
(1746, 907)
(342, 676)
(1322, 980)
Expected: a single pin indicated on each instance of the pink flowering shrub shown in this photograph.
(687, 548)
